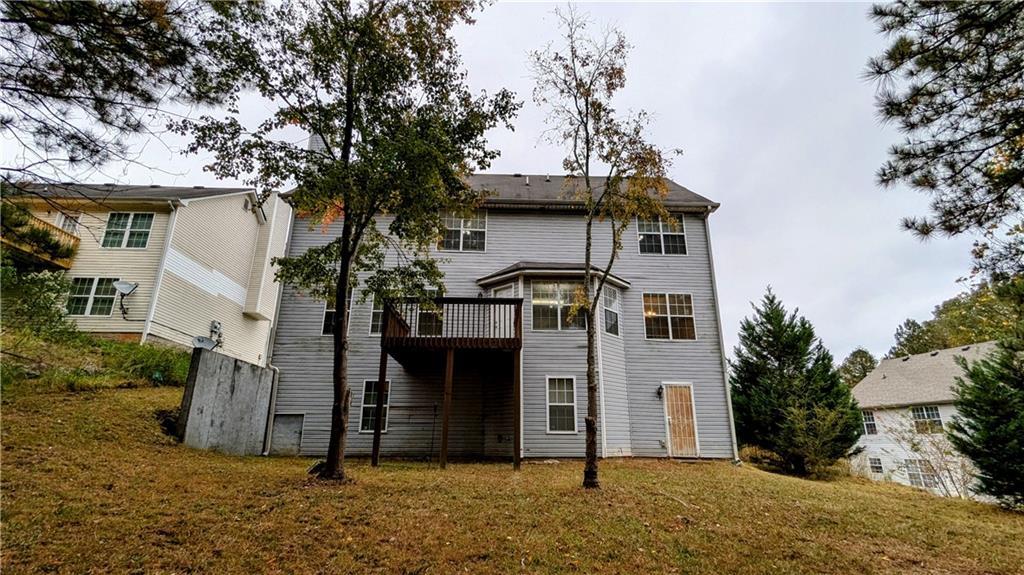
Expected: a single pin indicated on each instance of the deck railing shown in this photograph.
(453, 322)
(66, 239)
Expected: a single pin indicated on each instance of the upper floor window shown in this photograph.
(669, 316)
(330, 313)
(91, 296)
(68, 221)
(552, 304)
(876, 465)
(870, 428)
(612, 308)
(926, 419)
(464, 234)
(376, 317)
(127, 230)
(661, 237)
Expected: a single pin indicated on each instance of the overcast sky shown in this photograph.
(776, 122)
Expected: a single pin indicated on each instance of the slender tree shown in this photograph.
(857, 366)
(989, 427)
(616, 174)
(379, 86)
(951, 81)
(787, 396)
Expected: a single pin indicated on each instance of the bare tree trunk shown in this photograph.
(335, 466)
(590, 468)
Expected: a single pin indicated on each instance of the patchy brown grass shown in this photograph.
(91, 484)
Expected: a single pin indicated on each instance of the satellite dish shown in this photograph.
(125, 288)
(204, 342)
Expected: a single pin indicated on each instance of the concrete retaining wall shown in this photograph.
(225, 404)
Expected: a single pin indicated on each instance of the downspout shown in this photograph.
(160, 270)
(721, 338)
(269, 431)
(600, 381)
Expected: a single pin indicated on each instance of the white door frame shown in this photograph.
(693, 409)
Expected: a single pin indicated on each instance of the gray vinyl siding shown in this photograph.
(482, 403)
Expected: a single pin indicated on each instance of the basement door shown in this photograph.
(680, 421)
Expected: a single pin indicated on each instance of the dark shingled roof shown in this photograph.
(552, 268)
(107, 192)
(531, 191)
(538, 189)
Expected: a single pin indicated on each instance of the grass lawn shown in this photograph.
(91, 484)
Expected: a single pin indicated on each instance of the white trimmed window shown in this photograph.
(368, 411)
(91, 296)
(921, 473)
(464, 234)
(669, 316)
(552, 302)
(127, 230)
(870, 427)
(330, 313)
(661, 237)
(926, 419)
(612, 302)
(561, 405)
(876, 465)
(376, 317)
(68, 221)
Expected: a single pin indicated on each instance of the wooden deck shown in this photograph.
(27, 250)
(412, 329)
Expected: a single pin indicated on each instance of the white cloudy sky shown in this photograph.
(776, 121)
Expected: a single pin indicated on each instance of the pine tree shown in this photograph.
(787, 395)
(857, 366)
(990, 426)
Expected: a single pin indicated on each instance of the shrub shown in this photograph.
(156, 364)
(34, 302)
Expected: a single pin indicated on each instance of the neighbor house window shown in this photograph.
(69, 222)
(91, 296)
(669, 316)
(552, 305)
(876, 465)
(464, 234)
(926, 419)
(368, 411)
(125, 230)
(561, 405)
(921, 473)
(661, 237)
(612, 309)
(870, 428)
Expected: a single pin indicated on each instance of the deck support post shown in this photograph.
(449, 369)
(517, 408)
(383, 389)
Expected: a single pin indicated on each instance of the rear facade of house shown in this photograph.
(510, 271)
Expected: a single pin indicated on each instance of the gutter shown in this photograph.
(160, 269)
(721, 338)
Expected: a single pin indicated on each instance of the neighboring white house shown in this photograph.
(906, 403)
(199, 258)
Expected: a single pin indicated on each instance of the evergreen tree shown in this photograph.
(857, 366)
(990, 426)
(951, 81)
(787, 395)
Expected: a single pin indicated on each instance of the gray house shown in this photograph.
(498, 367)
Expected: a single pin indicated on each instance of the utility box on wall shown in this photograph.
(225, 405)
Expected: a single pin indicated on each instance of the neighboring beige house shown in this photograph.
(201, 258)
(907, 403)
